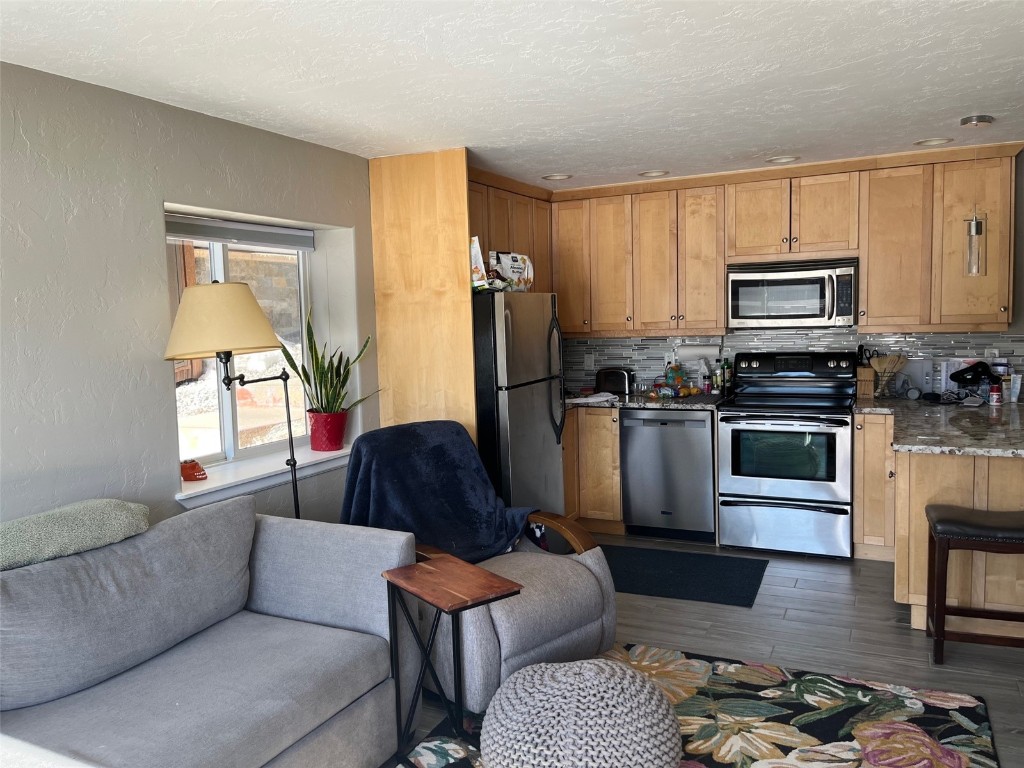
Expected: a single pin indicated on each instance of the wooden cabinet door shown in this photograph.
(600, 478)
(570, 237)
(895, 247)
(478, 215)
(874, 487)
(611, 264)
(571, 463)
(824, 213)
(541, 249)
(757, 218)
(499, 220)
(655, 304)
(522, 225)
(961, 189)
(702, 260)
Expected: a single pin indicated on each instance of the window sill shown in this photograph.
(238, 478)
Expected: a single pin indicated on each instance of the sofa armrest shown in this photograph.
(325, 573)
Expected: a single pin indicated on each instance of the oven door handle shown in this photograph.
(784, 505)
(810, 421)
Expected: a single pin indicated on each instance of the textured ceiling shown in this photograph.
(601, 90)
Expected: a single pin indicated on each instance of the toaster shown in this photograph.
(618, 381)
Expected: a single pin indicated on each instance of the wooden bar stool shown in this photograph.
(964, 528)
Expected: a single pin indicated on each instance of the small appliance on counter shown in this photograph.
(618, 381)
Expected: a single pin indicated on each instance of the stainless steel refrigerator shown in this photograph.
(520, 399)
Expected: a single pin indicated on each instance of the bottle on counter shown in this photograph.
(716, 376)
(726, 374)
(704, 377)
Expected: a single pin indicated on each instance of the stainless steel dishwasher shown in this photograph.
(668, 473)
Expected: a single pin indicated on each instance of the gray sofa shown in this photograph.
(216, 638)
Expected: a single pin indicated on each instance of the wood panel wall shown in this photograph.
(420, 219)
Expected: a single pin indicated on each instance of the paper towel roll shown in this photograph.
(686, 353)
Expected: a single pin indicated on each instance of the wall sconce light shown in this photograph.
(974, 245)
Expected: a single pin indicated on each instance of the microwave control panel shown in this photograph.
(845, 298)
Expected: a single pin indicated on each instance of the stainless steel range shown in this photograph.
(785, 446)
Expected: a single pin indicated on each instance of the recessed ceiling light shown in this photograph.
(557, 176)
(931, 142)
(977, 121)
(653, 174)
(782, 159)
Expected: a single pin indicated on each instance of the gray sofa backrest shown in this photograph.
(73, 622)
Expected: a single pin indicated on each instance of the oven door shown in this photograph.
(785, 456)
(782, 299)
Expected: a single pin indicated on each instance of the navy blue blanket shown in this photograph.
(427, 478)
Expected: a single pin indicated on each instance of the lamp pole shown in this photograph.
(228, 380)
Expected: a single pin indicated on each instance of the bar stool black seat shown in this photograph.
(954, 528)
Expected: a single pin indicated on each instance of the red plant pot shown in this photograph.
(327, 430)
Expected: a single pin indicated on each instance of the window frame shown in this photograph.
(227, 399)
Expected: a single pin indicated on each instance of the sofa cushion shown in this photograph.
(70, 529)
(236, 694)
(73, 622)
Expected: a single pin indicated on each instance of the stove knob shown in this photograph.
(755, 363)
(844, 363)
(831, 363)
(743, 363)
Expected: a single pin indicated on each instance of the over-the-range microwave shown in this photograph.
(807, 294)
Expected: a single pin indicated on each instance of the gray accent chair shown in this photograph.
(565, 612)
(216, 638)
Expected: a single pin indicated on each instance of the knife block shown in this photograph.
(865, 382)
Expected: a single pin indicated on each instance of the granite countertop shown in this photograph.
(692, 403)
(922, 427)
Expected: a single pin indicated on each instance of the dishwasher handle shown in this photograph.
(680, 423)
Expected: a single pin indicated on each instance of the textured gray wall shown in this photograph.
(86, 294)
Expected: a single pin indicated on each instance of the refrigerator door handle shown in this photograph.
(555, 330)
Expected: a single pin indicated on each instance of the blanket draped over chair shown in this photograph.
(427, 478)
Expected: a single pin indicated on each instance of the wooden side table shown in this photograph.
(451, 586)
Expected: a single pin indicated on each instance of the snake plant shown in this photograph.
(326, 381)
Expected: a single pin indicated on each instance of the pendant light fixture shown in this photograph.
(974, 245)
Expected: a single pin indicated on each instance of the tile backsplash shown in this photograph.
(647, 355)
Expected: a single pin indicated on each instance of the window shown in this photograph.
(219, 424)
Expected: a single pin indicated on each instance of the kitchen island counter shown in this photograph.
(923, 427)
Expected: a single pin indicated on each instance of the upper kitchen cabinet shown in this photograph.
(541, 252)
(782, 217)
(702, 260)
(478, 215)
(895, 248)
(965, 293)
(611, 264)
(570, 237)
(655, 267)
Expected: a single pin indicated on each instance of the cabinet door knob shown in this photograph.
(891, 474)
(860, 426)
(629, 318)
(586, 322)
(614, 420)
(862, 313)
(1002, 309)
(785, 239)
(682, 317)
(794, 239)
(672, 318)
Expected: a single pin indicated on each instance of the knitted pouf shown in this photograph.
(583, 714)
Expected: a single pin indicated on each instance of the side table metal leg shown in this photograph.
(393, 632)
(457, 674)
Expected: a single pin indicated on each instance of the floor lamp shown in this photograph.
(224, 319)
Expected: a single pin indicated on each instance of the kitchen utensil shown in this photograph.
(886, 366)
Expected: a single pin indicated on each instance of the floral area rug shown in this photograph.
(749, 715)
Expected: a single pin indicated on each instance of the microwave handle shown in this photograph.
(830, 298)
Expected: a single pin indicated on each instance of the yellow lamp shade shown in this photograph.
(220, 317)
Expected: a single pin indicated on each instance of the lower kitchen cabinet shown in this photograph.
(598, 475)
(976, 579)
(874, 487)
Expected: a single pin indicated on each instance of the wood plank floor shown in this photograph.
(830, 616)
(823, 615)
